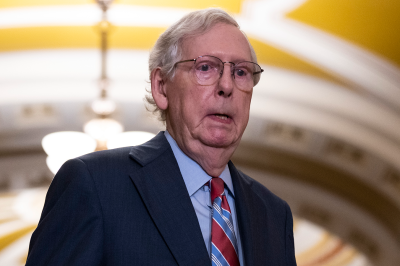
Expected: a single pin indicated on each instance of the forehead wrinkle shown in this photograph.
(190, 41)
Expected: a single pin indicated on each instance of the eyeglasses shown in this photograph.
(208, 69)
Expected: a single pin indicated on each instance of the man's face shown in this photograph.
(214, 115)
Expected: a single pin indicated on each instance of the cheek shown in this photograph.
(198, 98)
(200, 93)
(189, 106)
(178, 94)
(245, 103)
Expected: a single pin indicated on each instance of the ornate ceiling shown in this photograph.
(324, 127)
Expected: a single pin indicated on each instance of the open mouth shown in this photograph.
(222, 116)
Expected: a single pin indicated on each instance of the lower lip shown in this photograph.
(221, 120)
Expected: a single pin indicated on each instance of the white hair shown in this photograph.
(167, 50)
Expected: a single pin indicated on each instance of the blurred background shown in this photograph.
(324, 129)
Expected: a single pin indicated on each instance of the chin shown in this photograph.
(218, 140)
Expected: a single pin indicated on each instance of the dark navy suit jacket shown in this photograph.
(130, 206)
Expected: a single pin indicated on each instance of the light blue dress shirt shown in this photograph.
(195, 179)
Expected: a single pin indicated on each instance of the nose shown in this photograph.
(226, 83)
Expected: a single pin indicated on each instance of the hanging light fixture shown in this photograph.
(102, 132)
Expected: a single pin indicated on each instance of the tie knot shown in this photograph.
(217, 187)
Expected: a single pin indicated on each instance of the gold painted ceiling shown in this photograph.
(332, 67)
(369, 25)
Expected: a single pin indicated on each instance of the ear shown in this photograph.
(158, 89)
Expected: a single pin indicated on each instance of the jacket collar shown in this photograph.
(163, 191)
(257, 222)
(149, 151)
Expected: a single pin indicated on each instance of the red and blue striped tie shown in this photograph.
(224, 250)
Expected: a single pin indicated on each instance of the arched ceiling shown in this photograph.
(37, 33)
(369, 24)
(328, 41)
(324, 126)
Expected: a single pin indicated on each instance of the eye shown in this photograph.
(241, 72)
(204, 67)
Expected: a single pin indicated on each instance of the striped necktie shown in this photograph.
(223, 239)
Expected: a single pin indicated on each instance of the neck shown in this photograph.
(212, 159)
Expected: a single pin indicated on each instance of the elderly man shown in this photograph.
(177, 199)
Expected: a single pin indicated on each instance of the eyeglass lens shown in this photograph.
(208, 70)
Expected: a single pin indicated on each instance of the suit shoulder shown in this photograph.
(106, 157)
(106, 154)
(107, 162)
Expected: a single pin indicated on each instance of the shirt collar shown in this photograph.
(193, 175)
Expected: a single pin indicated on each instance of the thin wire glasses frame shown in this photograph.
(207, 69)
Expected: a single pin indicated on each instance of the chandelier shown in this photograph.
(99, 133)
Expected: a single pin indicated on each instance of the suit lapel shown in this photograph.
(164, 194)
(252, 227)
